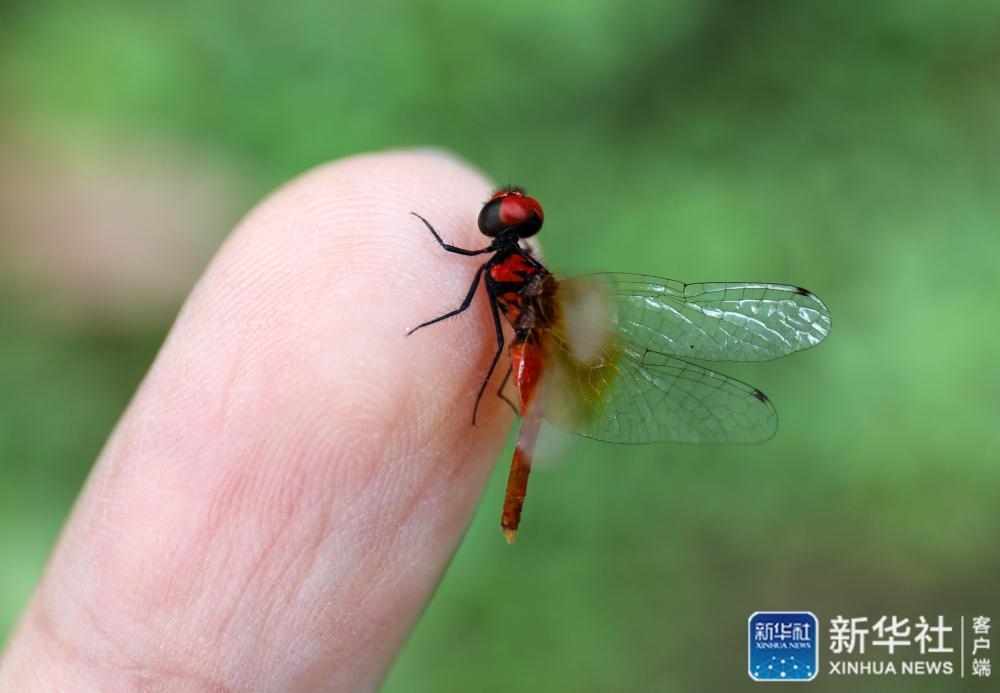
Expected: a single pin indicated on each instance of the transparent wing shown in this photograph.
(712, 321)
(618, 349)
(622, 395)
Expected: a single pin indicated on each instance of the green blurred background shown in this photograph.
(849, 147)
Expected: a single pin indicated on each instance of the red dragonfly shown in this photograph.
(608, 356)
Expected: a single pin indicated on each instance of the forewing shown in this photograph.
(712, 321)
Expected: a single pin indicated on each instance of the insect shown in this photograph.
(612, 356)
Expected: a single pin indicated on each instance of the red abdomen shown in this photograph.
(526, 366)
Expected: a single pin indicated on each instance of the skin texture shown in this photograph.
(288, 484)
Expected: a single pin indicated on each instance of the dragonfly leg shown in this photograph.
(446, 246)
(465, 304)
(501, 394)
(496, 357)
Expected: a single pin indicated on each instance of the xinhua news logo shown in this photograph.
(783, 646)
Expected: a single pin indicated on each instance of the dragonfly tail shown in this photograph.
(520, 468)
(517, 488)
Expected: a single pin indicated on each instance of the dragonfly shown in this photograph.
(614, 356)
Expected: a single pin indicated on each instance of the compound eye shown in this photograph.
(511, 210)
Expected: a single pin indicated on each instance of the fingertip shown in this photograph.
(291, 453)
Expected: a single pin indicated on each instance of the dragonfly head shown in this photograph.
(509, 209)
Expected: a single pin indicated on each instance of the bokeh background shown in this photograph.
(849, 147)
